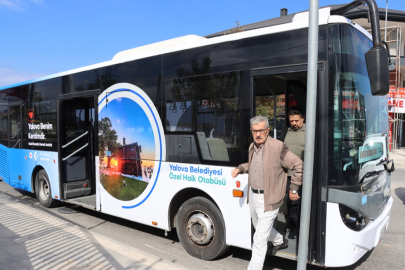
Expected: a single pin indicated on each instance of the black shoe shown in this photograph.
(291, 226)
(282, 246)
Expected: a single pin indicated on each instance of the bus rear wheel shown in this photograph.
(43, 190)
(201, 229)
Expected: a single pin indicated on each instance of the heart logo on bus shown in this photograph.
(30, 115)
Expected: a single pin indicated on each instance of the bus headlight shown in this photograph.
(352, 219)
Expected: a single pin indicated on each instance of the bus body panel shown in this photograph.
(350, 245)
(156, 207)
(22, 162)
(137, 166)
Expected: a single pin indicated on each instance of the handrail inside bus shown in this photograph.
(72, 141)
(84, 146)
(15, 133)
(16, 143)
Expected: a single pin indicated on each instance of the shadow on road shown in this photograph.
(400, 192)
(34, 238)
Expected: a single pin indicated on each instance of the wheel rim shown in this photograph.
(43, 189)
(200, 228)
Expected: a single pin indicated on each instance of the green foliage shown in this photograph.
(265, 106)
(107, 139)
(115, 186)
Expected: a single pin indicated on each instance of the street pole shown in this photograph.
(313, 29)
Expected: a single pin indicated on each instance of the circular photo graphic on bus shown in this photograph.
(127, 151)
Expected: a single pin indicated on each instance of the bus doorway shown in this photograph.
(77, 167)
(274, 93)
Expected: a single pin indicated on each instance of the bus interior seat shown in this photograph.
(218, 149)
(202, 141)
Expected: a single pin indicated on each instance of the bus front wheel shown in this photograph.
(43, 190)
(201, 229)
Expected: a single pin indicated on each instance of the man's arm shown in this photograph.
(242, 168)
(292, 162)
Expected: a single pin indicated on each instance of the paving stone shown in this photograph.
(13, 266)
(6, 242)
(15, 249)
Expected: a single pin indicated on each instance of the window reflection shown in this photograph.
(359, 117)
(209, 107)
(83, 81)
(4, 124)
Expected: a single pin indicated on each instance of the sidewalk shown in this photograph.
(398, 156)
(31, 238)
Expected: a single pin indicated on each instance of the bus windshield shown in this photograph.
(359, 118)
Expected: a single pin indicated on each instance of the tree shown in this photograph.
(107, 139)
(235, 29)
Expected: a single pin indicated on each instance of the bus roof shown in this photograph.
(298, 21)
(355, 13)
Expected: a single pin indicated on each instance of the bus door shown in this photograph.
(269, 101)
(275, 90)
(14, 142)
(76, 148)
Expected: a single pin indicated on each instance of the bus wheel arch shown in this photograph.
(199, 224)
(33, 178)
(201, 229)
(181, 197)
(43, 189)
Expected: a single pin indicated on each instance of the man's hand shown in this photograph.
(294, 197)
(235, 172)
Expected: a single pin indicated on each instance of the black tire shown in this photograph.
(200, 211)
(43, 190)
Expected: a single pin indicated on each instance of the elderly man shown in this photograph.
(269, 159)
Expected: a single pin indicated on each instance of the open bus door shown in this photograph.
(14, 142)
(77, 150)
(275, 90)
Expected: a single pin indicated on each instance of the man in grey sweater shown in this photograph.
(268, 161)
(294, 137)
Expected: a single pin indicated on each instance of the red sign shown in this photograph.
(350, 104)
(396, 105)
(396, 93)
(390, 130)
(30, 113)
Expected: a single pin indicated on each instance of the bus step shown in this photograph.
(76, 189)
(87, 201)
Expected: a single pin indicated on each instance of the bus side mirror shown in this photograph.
(390, 166)
(377, 67)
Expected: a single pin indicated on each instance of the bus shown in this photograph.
(152, 135)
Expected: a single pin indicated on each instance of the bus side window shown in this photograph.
(4, 125)
(208, 108)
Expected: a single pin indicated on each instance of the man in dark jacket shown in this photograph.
(294, 137)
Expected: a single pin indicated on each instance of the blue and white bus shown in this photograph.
(152, 136)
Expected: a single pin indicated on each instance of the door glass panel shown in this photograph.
(4, 125)
(76, 124)
(270, 102)
(15, 126)
(272, 106)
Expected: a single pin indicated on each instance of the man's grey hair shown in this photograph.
(258, 119)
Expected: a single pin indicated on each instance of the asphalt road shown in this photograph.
(389, 254)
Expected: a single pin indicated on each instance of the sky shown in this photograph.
(43, 37)
(130, 122)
